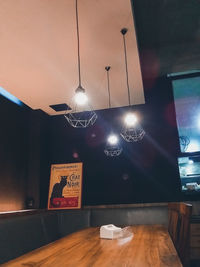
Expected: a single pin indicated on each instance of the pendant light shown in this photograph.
(112, 148)
(81, 114)
(132, 130)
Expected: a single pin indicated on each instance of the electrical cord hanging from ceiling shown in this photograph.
(78, 43)
(124, 31)
(108, 82)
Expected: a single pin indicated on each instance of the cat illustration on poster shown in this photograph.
(57, 191)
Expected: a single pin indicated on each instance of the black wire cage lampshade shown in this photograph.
(112, 148)
(132, 131)
(81, 114)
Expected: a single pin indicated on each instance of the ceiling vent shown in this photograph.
(60, 107)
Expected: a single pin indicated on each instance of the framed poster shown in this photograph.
(65, 188)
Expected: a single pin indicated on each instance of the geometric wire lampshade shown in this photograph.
(132, 130)
(112, 151)
(78, 120)
(82, 119)
(132, 134)
(81, 116)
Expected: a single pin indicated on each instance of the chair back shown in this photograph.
(173, 221)
(179, 229)
(183, 245)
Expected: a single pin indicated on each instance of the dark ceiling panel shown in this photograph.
(60, 107)
(170, 29)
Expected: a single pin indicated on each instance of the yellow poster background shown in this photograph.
(65, 188)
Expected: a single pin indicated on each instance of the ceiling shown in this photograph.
(168, 33)
(38, 51)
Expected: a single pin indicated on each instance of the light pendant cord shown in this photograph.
(124, 31)
(108, 80)
(78, 42)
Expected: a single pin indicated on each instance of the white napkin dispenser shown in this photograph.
(110, 231)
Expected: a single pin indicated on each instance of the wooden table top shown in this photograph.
(151, 246)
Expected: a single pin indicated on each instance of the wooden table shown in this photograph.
(150, 246)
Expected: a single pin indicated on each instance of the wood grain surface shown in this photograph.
(150, 246)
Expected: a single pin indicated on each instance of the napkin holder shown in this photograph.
(110, 231)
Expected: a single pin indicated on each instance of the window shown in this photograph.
(186, 90)
(187, 105)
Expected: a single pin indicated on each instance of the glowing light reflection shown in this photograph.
(193, 146)
(10, 97)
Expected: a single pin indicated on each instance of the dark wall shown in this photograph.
(38, 165)
(22, 155)
(14, 131)
(146, 171)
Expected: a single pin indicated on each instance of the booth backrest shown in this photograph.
(129, 216)
(21, 234)
(50, 224)
(73, 220)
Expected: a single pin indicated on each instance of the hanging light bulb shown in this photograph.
(113, 139)
(81, 114)
(130, 119)
(80, 96)
(112, 148)
(132, 130)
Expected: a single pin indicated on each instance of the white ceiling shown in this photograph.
(38, 51)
